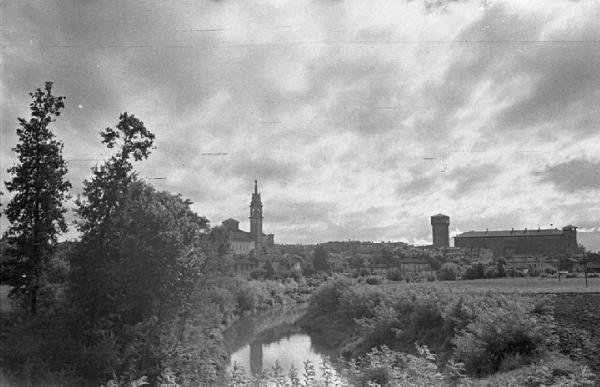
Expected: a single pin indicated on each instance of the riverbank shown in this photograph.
(491, 334)
(207, 345)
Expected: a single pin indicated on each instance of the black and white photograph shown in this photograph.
(299, 193)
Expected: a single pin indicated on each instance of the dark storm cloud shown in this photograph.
(470, 178)
(369, 97)
(264, 168)
(562, 68)
(481, 52)
(575, 175)
(422, 181)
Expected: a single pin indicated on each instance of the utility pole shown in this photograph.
(585, 267)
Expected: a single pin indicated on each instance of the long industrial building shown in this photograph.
(538, 242)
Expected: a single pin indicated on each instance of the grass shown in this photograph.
(530, 285)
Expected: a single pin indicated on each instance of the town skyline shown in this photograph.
(359, 121)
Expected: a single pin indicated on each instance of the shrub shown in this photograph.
(359, 302)
(500, 337)
(247, 299)
(394, 275)
(448, 272)
(326, 298)
(373, 281)
(384, 367)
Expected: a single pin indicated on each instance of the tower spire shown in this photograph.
(256, 216)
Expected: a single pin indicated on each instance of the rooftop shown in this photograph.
(510, 233)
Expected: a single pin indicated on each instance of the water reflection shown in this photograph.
(256, 357)
(257, 342)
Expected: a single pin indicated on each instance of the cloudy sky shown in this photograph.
(360, 119)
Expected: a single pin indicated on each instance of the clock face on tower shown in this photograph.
(255, 211)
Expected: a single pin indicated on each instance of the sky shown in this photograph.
(359, 119)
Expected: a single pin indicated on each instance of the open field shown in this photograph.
(530, 285)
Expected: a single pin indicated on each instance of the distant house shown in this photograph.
(381, 268)
(244, 266)
(527, 264)
(481, 255)
(413, 266)
(592, 264)
(593, 267)
(405, 266)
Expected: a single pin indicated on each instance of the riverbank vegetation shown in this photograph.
(148, 287)
(484, 333)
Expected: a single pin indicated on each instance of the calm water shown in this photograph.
(256, 342)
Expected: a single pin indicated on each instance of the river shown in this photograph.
(256, 342)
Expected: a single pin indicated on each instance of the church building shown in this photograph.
(242, 242)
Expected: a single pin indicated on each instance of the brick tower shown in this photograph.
(439, 229)
(256, 216)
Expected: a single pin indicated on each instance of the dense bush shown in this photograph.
(358, 302)
(395, 275)
(326, 298)
(501, 339)
(485, 331)
(448, 272)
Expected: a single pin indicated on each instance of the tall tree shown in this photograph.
(36, 212)
(103, 196)
(110, 182)
(142, 253)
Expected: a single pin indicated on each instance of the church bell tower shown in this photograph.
(256, 216)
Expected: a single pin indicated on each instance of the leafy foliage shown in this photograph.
(498, 337)
(448, 272)
(36, 212)
(321, 259)
(140, 258)
(485, 331)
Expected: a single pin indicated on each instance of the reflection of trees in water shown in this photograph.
(323, 343)
(278, 333)
(267, 328)
(256, 357)
(269, 336)
(246, 329)
(260, 330)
